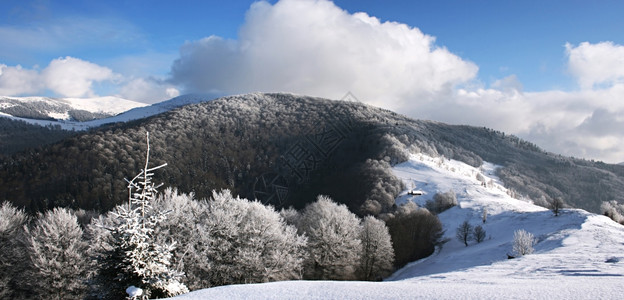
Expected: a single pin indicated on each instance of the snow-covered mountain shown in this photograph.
(65, 109)
(106, 110)
(579, 255)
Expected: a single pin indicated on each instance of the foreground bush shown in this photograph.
(523, 242)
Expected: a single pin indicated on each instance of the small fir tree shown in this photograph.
(133, 257)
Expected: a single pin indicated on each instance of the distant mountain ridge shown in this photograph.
(65, 109)
(285, 149)
(53, 112)
(27, 122)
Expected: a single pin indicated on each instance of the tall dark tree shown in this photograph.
(464, 232)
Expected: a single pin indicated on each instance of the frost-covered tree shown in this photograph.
(334, 246)
(442, 202)
(523, 242)
(129, 254)
(184, 224)
(12, 250)
(613, 210)
(59, 266)
(250, 242)
(377, 252)
(290, 215)
(464, 232)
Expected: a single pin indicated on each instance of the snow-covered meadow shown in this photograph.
(579, 255)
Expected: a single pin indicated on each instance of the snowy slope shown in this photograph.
(126, 111)
(579, 255)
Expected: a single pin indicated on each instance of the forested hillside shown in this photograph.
(285, 150)
(17, 135)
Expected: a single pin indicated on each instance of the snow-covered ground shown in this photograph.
(579, 255)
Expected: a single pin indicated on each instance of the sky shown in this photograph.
(551, 72)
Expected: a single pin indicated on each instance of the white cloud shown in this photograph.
(73, 77)
(148, 90)
(17, 80)
(595, 64)
(67, 77)
(585, 123)
(316, 48)
(77, 78)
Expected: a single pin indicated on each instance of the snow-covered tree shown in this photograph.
(377, 252)
(334, 246)
(613, 210)
(184, 224)
(523, 242)
(291, 216)
(442, 202)
(464, 232)
(250, 242)
(12, 250)
(59, 266)
(128, 253)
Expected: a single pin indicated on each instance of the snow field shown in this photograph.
(579, 255)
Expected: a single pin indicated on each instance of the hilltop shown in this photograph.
(285, 149)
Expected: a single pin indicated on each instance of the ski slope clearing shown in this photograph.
(579, 255)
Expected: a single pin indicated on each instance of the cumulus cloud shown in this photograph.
(77, 78)
(17, 80)
(316, 48)
(73, 77)
(595, 64)
(148, 90)
(67, 77)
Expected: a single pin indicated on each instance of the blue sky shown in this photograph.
(525, 38)
(551, 72)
